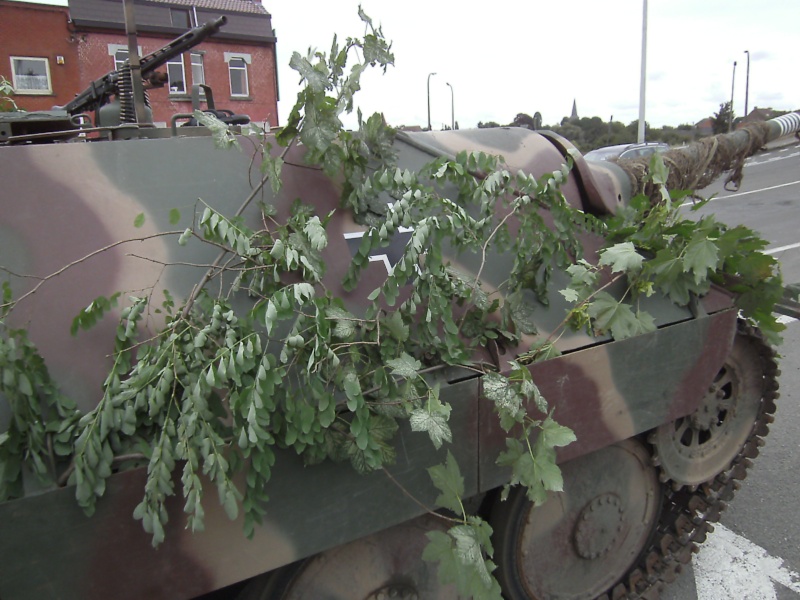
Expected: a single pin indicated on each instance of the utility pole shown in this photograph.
(640, 137)
(747, 84)
(730, 114)
(429, 100)
(452, 108)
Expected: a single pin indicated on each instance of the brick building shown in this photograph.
(238, 62)
(38, 55)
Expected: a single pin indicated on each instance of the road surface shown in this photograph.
(755, 552)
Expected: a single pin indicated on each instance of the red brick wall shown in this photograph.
(40, 31)
(261, 105)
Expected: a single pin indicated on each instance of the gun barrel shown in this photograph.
(695, 166)
(96, 94)
(181, 44)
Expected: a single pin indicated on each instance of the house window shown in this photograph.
(30, 75)
(198, 74)
(176, 75)
(237, 69)
(119, 53)
(180, 18)
(120, 56)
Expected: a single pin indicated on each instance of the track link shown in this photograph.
(689, 512)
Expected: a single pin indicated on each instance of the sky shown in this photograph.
(506, 57)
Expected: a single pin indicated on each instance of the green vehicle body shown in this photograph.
(63, 202)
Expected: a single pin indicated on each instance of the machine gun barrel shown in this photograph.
(98, 91)
(179, 45)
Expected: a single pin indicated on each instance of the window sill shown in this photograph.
(33, 93)
(242, 98)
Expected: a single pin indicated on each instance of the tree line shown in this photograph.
(588, 133)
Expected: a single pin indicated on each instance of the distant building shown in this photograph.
(56, 52)
(238, 62)
(574, 115)
(38, 54)
(704, 127)
(761, 114)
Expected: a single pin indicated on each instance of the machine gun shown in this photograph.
(118, 83)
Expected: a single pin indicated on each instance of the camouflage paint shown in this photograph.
(77, 198)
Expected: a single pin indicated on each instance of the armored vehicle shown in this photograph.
(666, 422)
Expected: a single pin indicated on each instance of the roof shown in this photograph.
(762, 114)
(241, 6)
(248, 20)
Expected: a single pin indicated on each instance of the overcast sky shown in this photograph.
(504, 57)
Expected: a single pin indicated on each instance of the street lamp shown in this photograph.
(429, 100)
(452, 108)
(747, 83)
(730, 114)
(643, 79)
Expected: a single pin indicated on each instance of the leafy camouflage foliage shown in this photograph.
(653, 248)
(6, 91)
(219, 389)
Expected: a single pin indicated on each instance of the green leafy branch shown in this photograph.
(219, 389)
(6, 91)
(464, 552)
(42, 420)
(654, 249)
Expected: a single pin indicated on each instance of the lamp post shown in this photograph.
(429, 100)
(641, 132)
(747, 83)
(452, 108)
(730, 114)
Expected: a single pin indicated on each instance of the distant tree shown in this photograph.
(595, 130)
(523, 120)
(723, 118)
(633, 128)
(487, 125)
(588, 133)
(574, 133)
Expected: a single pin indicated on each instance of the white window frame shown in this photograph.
(113, 49)
(31, 92)
(183, 12)
(248, 59)
(202, 69)
(175, 61)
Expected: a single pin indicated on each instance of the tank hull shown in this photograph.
(79, 206)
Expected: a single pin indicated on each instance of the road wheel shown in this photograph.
(696, 448)
(580, 543)
(383, 566)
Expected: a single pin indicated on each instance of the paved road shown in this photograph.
(762, 522)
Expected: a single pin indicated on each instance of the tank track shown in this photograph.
(688, 514)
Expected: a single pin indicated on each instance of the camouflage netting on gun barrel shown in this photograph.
(700, 163)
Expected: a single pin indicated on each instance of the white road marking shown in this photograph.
(729, 566)
(785, 320)
(729, 196)
(754, 162)
(782, 248)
